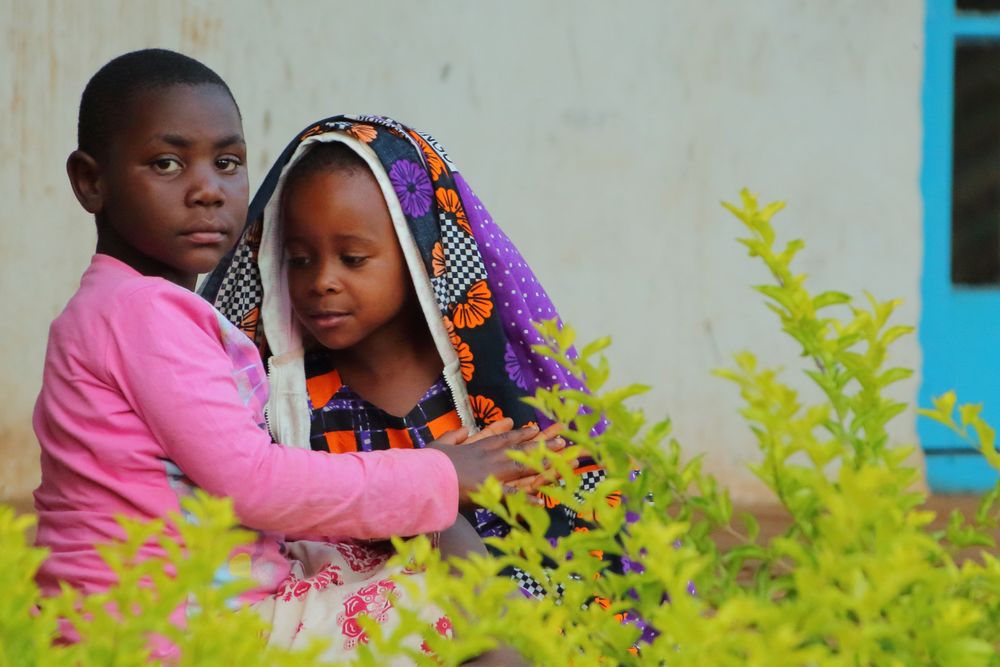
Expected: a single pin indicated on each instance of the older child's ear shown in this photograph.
(85, 178)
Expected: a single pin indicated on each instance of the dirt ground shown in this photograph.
(774, 520)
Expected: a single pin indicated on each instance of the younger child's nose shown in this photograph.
(327, 281)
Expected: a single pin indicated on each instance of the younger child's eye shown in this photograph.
(353, 260)
(227, 165)
(166, 165)
(297, 260)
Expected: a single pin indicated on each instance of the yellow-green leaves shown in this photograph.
(664, 574)
(179, 599)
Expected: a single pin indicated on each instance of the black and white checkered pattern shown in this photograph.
(463, 264)
(588, 482)
(240, 291)
(590, 479)
(528, 583)
(568, 511)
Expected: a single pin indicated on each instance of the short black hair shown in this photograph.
(327, 156)
(324, 157)
(106, 98)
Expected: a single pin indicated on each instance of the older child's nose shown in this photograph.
(206, 188)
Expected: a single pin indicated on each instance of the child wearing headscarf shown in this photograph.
(390, 306)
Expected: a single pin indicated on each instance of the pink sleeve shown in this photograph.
(167, 356)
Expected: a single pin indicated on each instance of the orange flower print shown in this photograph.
(465, 358)
(449, 327)
(449, 202)
(434, 161)
(254, 232)
(485, 410)
(476, 309)
(248, 323)
(315, 129)
(363, 133)
(437, 260)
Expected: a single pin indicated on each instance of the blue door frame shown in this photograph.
(959, 325)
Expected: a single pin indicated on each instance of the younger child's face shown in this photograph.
(175, 182)
(347, 277)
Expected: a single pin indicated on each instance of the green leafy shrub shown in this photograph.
(858, 578)
(115, 627)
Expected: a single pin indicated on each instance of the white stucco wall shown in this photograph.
(601, 135)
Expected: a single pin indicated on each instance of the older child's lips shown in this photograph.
(205, 237)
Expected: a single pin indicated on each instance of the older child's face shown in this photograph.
(346, 274)
(175, 183)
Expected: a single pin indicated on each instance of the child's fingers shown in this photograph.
(526, 484)
(551, 431)
(573, 453)
(509, 439)
(507, 469)
(536, 484)
(511, 488)
(496, 428)
(550, 475)
(455, 437)
(555, 444)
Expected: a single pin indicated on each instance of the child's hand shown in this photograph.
(495, 428)
(479, 458)
(534, 483)
(531, 484)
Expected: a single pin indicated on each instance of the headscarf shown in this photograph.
(477, 293)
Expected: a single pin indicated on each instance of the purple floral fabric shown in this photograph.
(412, 186)
(520, 298)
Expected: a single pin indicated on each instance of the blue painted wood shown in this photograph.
(976, 25)
(950, 473)
(959, 329)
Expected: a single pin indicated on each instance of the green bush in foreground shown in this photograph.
(857, 579)
(115, 626)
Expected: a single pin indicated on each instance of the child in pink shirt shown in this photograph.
(148, 392)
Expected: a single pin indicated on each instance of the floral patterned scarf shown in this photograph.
(485, 298)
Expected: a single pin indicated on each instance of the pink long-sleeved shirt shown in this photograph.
(148, 392)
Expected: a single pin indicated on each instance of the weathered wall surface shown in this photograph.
(601, 135)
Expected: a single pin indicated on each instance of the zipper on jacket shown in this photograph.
(267, 406)
(454, 400)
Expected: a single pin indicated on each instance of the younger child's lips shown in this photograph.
(328, 318)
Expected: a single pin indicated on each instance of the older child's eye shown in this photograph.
(228, 164)
(166, 165)
(297, 260)
(353, 260)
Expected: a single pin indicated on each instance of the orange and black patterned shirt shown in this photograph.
(342, 421)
